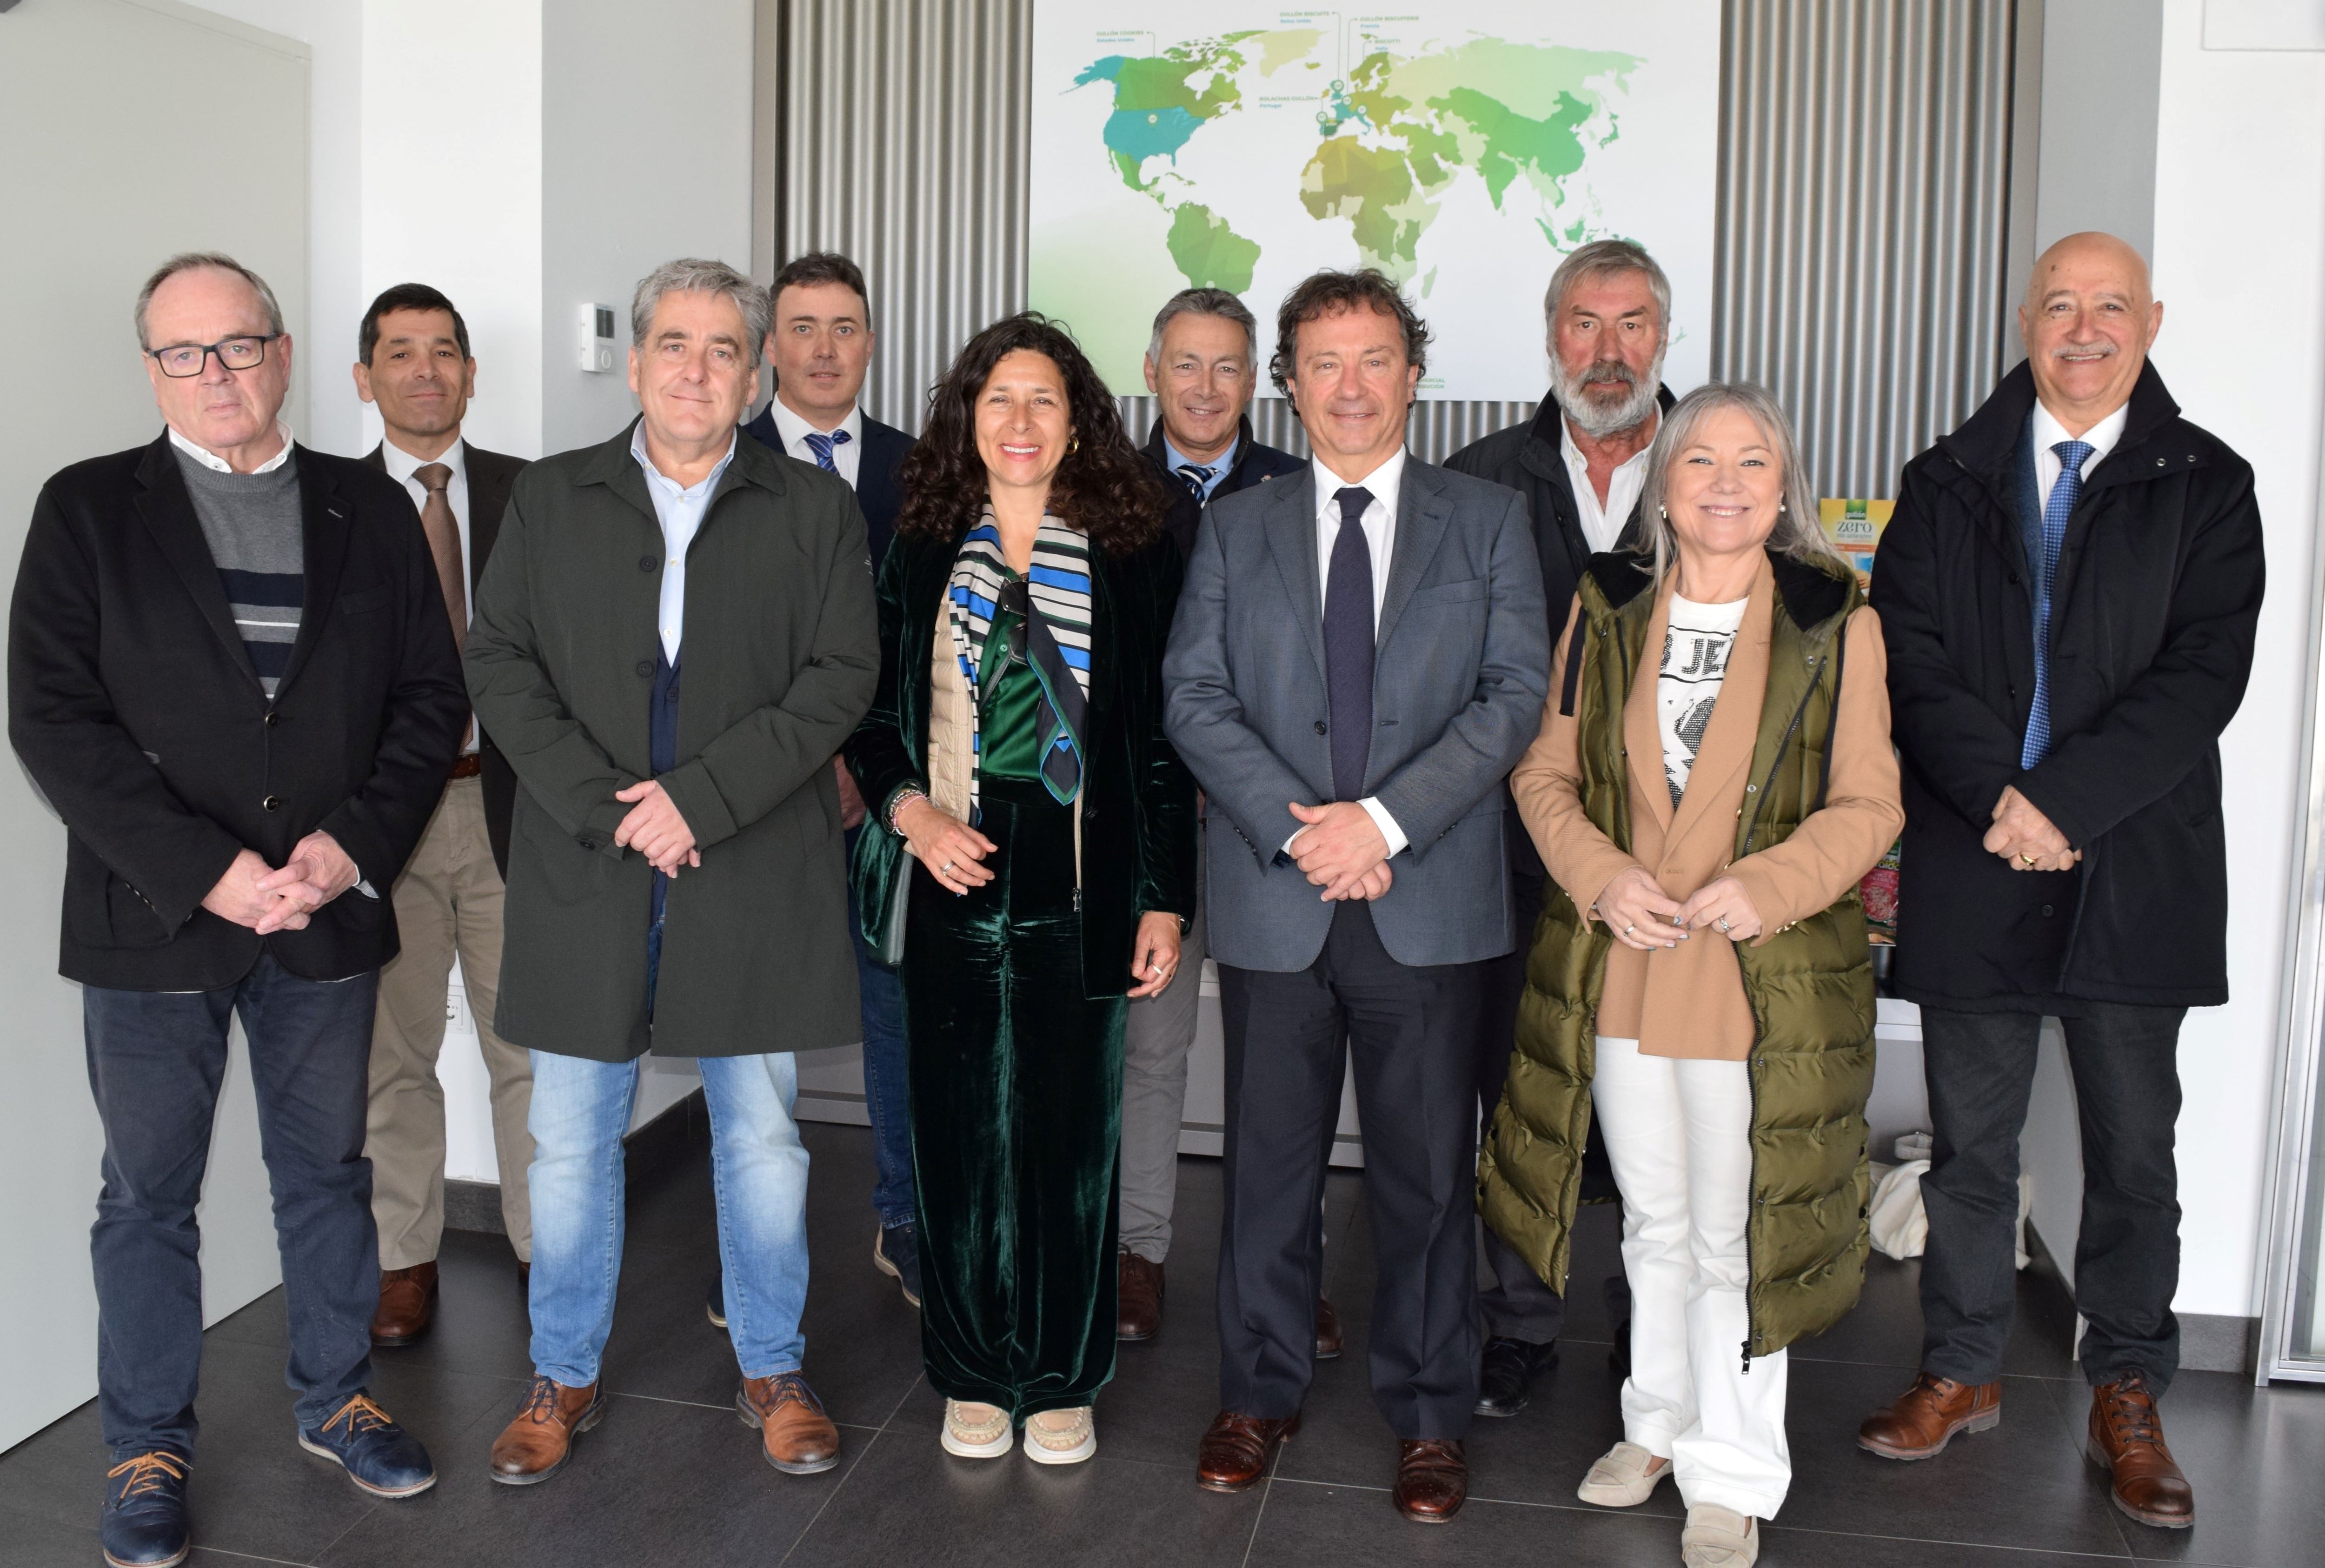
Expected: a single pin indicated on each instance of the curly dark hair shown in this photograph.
(1104, 487)
(1328, 293)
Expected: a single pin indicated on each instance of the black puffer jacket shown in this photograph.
(2158, 592)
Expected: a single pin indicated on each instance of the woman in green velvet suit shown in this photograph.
(1041, 831)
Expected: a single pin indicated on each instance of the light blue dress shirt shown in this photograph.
(679, 512)
(1178, 460)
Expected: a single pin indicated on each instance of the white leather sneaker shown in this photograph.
(1624, 1476)
(1718, 1537)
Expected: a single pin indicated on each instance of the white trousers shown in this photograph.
(1677, 1135)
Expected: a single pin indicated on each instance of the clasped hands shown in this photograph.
(1342, 851)
(265, 899)
(655, 829)
(2024, 838)
(1640, 914)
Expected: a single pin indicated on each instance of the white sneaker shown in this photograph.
(1048, 1442)
(973, 1430)
(1718, 1537)
(1624, 1476)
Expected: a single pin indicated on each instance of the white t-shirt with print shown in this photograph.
(1695, 661)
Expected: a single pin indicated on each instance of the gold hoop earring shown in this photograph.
(1073, 445)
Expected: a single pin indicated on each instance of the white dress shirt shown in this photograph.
(2049, 433)
(1379, 524)
(210, 460)
(1602, 525)
(847, 457)
(680, 511)
(401, 467)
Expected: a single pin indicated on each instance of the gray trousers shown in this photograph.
(1156, 1039)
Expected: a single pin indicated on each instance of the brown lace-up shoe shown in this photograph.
(1919, 1422)
(407, 1305)
(797, 1437)
(1238, 1450)
(537, 1443)
(1432, 1480)
(1139, 1291)
(1327, 1331)
(2127, 1438)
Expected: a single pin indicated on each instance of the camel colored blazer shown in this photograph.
(1688, 1001)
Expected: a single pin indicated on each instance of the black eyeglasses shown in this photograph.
(180, 360)
(1015, 599)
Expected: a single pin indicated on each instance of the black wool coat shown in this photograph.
(2158, 592)
(137, 711)
(1138, 799)
(778, 658)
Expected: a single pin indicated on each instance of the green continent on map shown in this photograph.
(1211, 254)
(1394, 136)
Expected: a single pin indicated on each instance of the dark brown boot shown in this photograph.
(537, 1443)
(407, 1305)
(794, 1433)
(1919, 1422)
(2127, 1438)
(1139, 1294)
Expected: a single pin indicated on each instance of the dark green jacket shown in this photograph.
(1138, 800)
(779, 660)
(1810, 985)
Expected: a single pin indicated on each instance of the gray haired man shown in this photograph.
(675, 876)
(1201, 365)
(1579, 463)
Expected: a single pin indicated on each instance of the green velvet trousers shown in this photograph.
(1016, 1092)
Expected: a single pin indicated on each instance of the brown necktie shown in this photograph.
(443, 533)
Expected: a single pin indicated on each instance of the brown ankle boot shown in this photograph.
(407, 1305)
(537, 1443)
(1138, 1294)
(797, 1437)
(2127, 1438)
(1919, 1422)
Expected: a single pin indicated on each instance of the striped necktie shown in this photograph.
(1198, 478)
(2064, 494)
(822, 445)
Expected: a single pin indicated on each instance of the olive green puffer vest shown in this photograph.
(1810, 985)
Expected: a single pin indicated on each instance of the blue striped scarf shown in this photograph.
(1057, 640)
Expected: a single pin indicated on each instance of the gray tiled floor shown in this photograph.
(671, 1477)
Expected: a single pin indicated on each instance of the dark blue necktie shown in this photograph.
(1198, 477)
(822, 445)
(1348, 646)
(2064, 494)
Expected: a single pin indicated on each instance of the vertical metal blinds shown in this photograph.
(1864, 196)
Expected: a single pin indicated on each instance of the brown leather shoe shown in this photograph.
(2127, 1438)
(1238, 1450)
(797, 1437)
(407, 1305)
(1432, 1480)
(537, 1443)
(1327, 1331)
(1139, 1291)
(1919, 1422)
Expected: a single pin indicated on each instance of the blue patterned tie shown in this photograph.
(822, 445)
(1198, 478)
(2064, 494)
(1348, 646)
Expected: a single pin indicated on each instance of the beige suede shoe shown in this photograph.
(1718, 1537)
(973, 1431)
(1624, 1476)
(1061, 1436)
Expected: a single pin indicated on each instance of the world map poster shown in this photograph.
(1463, 147)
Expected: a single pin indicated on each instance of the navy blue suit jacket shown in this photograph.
(879, 475)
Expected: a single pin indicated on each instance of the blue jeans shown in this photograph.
(888, 1093)
(155, 1060)
(758, 1169)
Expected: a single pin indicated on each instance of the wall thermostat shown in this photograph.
(597, 323)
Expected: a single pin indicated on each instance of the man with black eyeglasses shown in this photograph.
(230, 673)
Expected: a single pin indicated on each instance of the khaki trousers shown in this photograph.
(448, 900)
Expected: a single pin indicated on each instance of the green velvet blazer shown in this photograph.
(1137, 799)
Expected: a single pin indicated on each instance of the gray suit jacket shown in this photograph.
(1461, 676)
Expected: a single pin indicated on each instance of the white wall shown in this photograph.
(91, 214)
(2240, 266)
